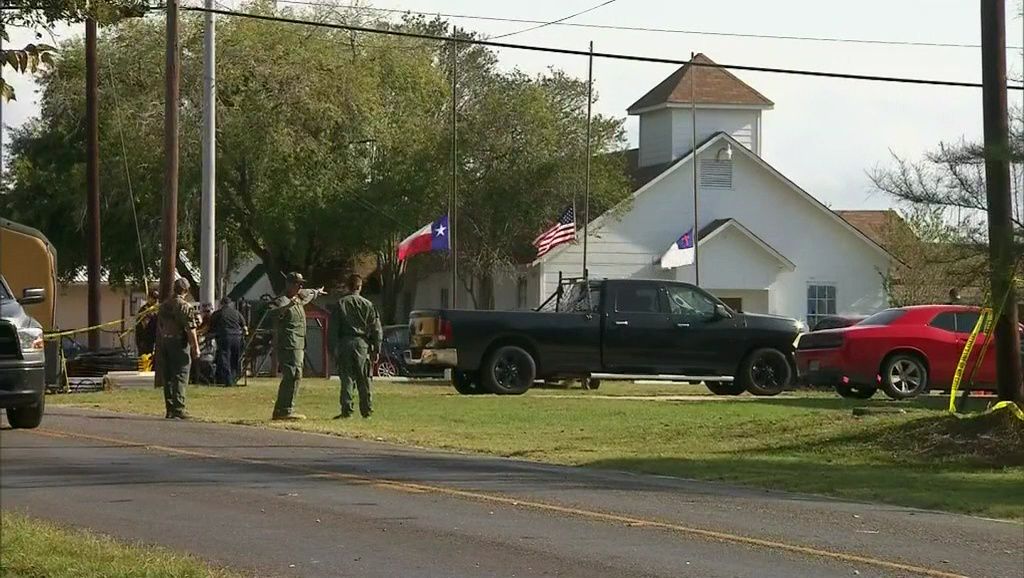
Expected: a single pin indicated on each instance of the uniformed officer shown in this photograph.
(228, 328)
(145, 324)
(290, 342)
(178, 346)
(359, 337)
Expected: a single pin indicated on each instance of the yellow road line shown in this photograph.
(527, 504)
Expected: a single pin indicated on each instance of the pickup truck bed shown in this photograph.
(617, 327)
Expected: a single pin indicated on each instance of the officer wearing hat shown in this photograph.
(177, 346)
(290, 342)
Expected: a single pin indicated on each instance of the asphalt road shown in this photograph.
(281, 503)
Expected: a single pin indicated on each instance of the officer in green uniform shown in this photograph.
(290, 342)
(359, 337)
(178, 346)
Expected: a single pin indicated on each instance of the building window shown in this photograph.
(821, 302)
(716, 174)
(522, 287)
(444, 298)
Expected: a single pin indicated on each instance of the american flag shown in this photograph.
(563, 231)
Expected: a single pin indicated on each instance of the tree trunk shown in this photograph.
(469, 284)
(485, 286)
(392, 282)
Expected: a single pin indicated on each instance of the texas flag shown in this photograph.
(431, 238)
(680, 253)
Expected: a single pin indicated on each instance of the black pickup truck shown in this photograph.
(22, 361)
(610, 329)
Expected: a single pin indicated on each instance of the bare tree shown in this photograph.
(944, 199)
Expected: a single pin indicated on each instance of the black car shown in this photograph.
(616, 328)
(837, 322)
(22, 361)
(392, 362)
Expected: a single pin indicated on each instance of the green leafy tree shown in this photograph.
(331, 146)
(41, 16)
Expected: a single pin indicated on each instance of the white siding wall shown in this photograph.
(655, 137)
(427, 290)
(740, 124)
(749, 265)
(823, 250)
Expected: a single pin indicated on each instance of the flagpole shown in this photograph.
(693, 123)
(453, 202)
(586, 188)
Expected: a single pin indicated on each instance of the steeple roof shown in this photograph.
(710, 85)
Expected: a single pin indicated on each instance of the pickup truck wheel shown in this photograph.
(856, 391)
(466, 383)
(26, 417)
(724, 388)
(904, 375)
(765, 372)
(590, 383)
(509, 370)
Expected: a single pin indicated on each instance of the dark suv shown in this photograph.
(22, 362)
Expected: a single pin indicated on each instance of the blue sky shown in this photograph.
(823, 133)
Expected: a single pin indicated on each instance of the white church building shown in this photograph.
(764, 244)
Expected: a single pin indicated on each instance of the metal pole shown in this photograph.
(1000, 201)
(586, 189)
(208, 228)
(170, 205)
(453, 211)
(92, 180)
(693, 123)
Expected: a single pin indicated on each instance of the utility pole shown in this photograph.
(92, 181)
(170, 207)
(1000, 201)
(586, 186)
(453, 212)
(208, 227)
(693, 127)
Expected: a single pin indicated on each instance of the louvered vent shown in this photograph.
(716, 174)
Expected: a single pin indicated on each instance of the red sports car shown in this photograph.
(904, 351)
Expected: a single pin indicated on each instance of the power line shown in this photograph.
(559, 21)
(645, 28)
(608, 55)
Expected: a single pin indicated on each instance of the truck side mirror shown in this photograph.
(722, 312)
(32, 296)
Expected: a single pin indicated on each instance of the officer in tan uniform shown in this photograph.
(289, 312)
(178, 346)
(359, 337)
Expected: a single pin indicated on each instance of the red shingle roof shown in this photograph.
(711, 85)
(879, 226)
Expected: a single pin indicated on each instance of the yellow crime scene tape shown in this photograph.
(59, 334)
(986, 324)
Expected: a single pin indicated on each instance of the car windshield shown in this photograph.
(398, 336)
(4, 293)
(884, 317)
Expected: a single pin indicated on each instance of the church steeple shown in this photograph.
(724, 102)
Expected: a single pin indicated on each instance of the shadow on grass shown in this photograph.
(984, 441)
(929, 487)
(839, 403)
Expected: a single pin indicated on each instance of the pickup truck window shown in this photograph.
(575, 300)
(637, 299)
(690, 303)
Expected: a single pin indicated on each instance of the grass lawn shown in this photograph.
(807, 443)
(33, 549)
